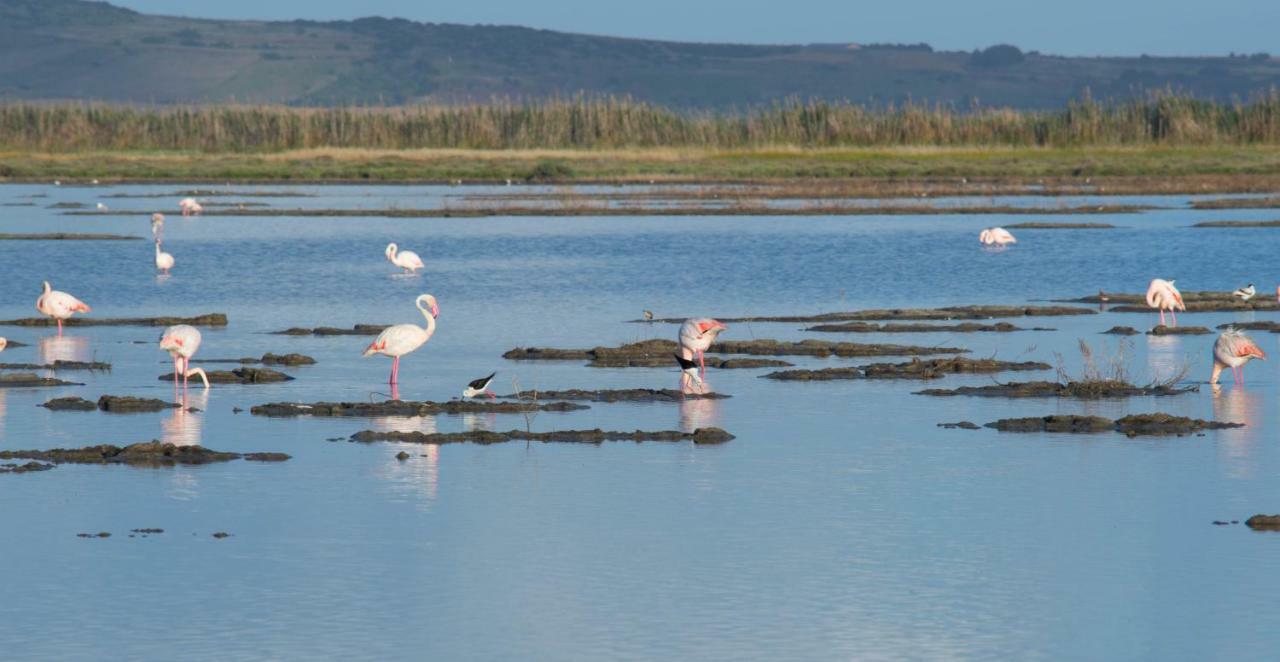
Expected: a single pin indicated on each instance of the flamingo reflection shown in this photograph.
(63, 348)
(420, 473)
(183, 427)
(1238, 405)
(486, 422)
(699, 413)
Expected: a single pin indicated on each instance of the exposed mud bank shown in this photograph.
(29, 380)
(1237, 224)
(211, 319)
(915, 369)
(357, 330)
(1263, 522)
(1162, 330)
(965, 327)
(700, 436)
(1122, 331)
(110, 403)
(910, 314)
(58, 365)
(1081, 390)
(1196, 302)
(406, 408)
(1133, 425)
(1060, 226)
(658, 353)
(66, 236)
(266, 359)
(238, 376)
(616, 395)
(1273, 327)
(145, 454)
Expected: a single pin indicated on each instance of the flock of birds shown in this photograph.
(182, 341)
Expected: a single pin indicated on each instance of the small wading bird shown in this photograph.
(479, 387)
(1245, 293)
(1232, 350)
(688, 372)
(996, 237)
(59, 305)
(396, 341)
(407, 260)
(181, 342)
(696, 336)
(1102, 297)
(1162, 295)
(190, 207)
(648, 315)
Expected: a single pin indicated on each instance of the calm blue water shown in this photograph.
(841, 523)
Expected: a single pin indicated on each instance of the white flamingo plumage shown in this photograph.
(407, 260)
(4, 342)
(59, 305)
(181, 342)
(696, 336)
(157, 225)
(396, 341)
(1162, 295)
(164, 261)
(190, 207)
(1232, 350)
(996, 237)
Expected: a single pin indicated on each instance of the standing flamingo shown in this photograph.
(4, 342)
(181, 342)
(996, 237)
(396, 341)
(164, 261)
(157, 225)
(59, 305)
(1232, 350)
(696, 336)
(1163, 295)
(190, 207)
(407, 260)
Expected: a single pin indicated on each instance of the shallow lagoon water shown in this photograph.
(841, 523)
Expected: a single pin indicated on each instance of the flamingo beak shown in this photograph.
(435, 311)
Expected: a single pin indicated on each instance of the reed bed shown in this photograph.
(596, 124)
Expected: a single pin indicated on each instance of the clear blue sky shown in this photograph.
(1067, 27)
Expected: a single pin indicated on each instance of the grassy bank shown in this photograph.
(1221, 168)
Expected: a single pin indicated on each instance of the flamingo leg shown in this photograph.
(702, 363)
(59, 328)
(1162, 317)
(186, 365)
(1174, 315)
(395, 370)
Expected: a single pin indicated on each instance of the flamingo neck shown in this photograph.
(431, 321)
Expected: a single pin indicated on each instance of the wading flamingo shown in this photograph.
(164, 261)
(190, 207)
(1245, 293)
(396, 341)
(1232, 350)
(1161, 294)
(407, 260)
(696, 336)
(996, 237)
(157, 226)
(59, 305)
(181, 342)
(479, 387)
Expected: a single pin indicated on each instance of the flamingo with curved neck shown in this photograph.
(407, 260)
(59, 305)
(396, 341)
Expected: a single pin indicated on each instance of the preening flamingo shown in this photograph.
(696, 336)
(59, 305)
(190, 207)
(396, 341)
(996, 237)
(181, 342)
(157, 226)
(478, 387)
(1161, 294)
(1245, 293)
(407, 260)
(1232, 350)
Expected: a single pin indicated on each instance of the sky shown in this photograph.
(1063, 27)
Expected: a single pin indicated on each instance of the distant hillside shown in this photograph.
(70, 49)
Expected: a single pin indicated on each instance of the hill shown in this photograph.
(72, 49)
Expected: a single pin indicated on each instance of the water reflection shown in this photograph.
(699, 413)
(423, 424)
(472, 422)
(63, 348)
(183, 427)
(1237, 405)
(1167, 358)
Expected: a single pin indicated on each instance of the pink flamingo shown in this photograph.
(190, 207)
(407, 260)
(59, 305)
(1163, 295)
(181, 342)
(1232, 350)
(164, 261)
(4, 342)
(696, 336)
(396, 341)
(996, 237)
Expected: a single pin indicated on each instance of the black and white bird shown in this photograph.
(648, 315)
(1245, 293)
(689, 368)
(479, 387)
